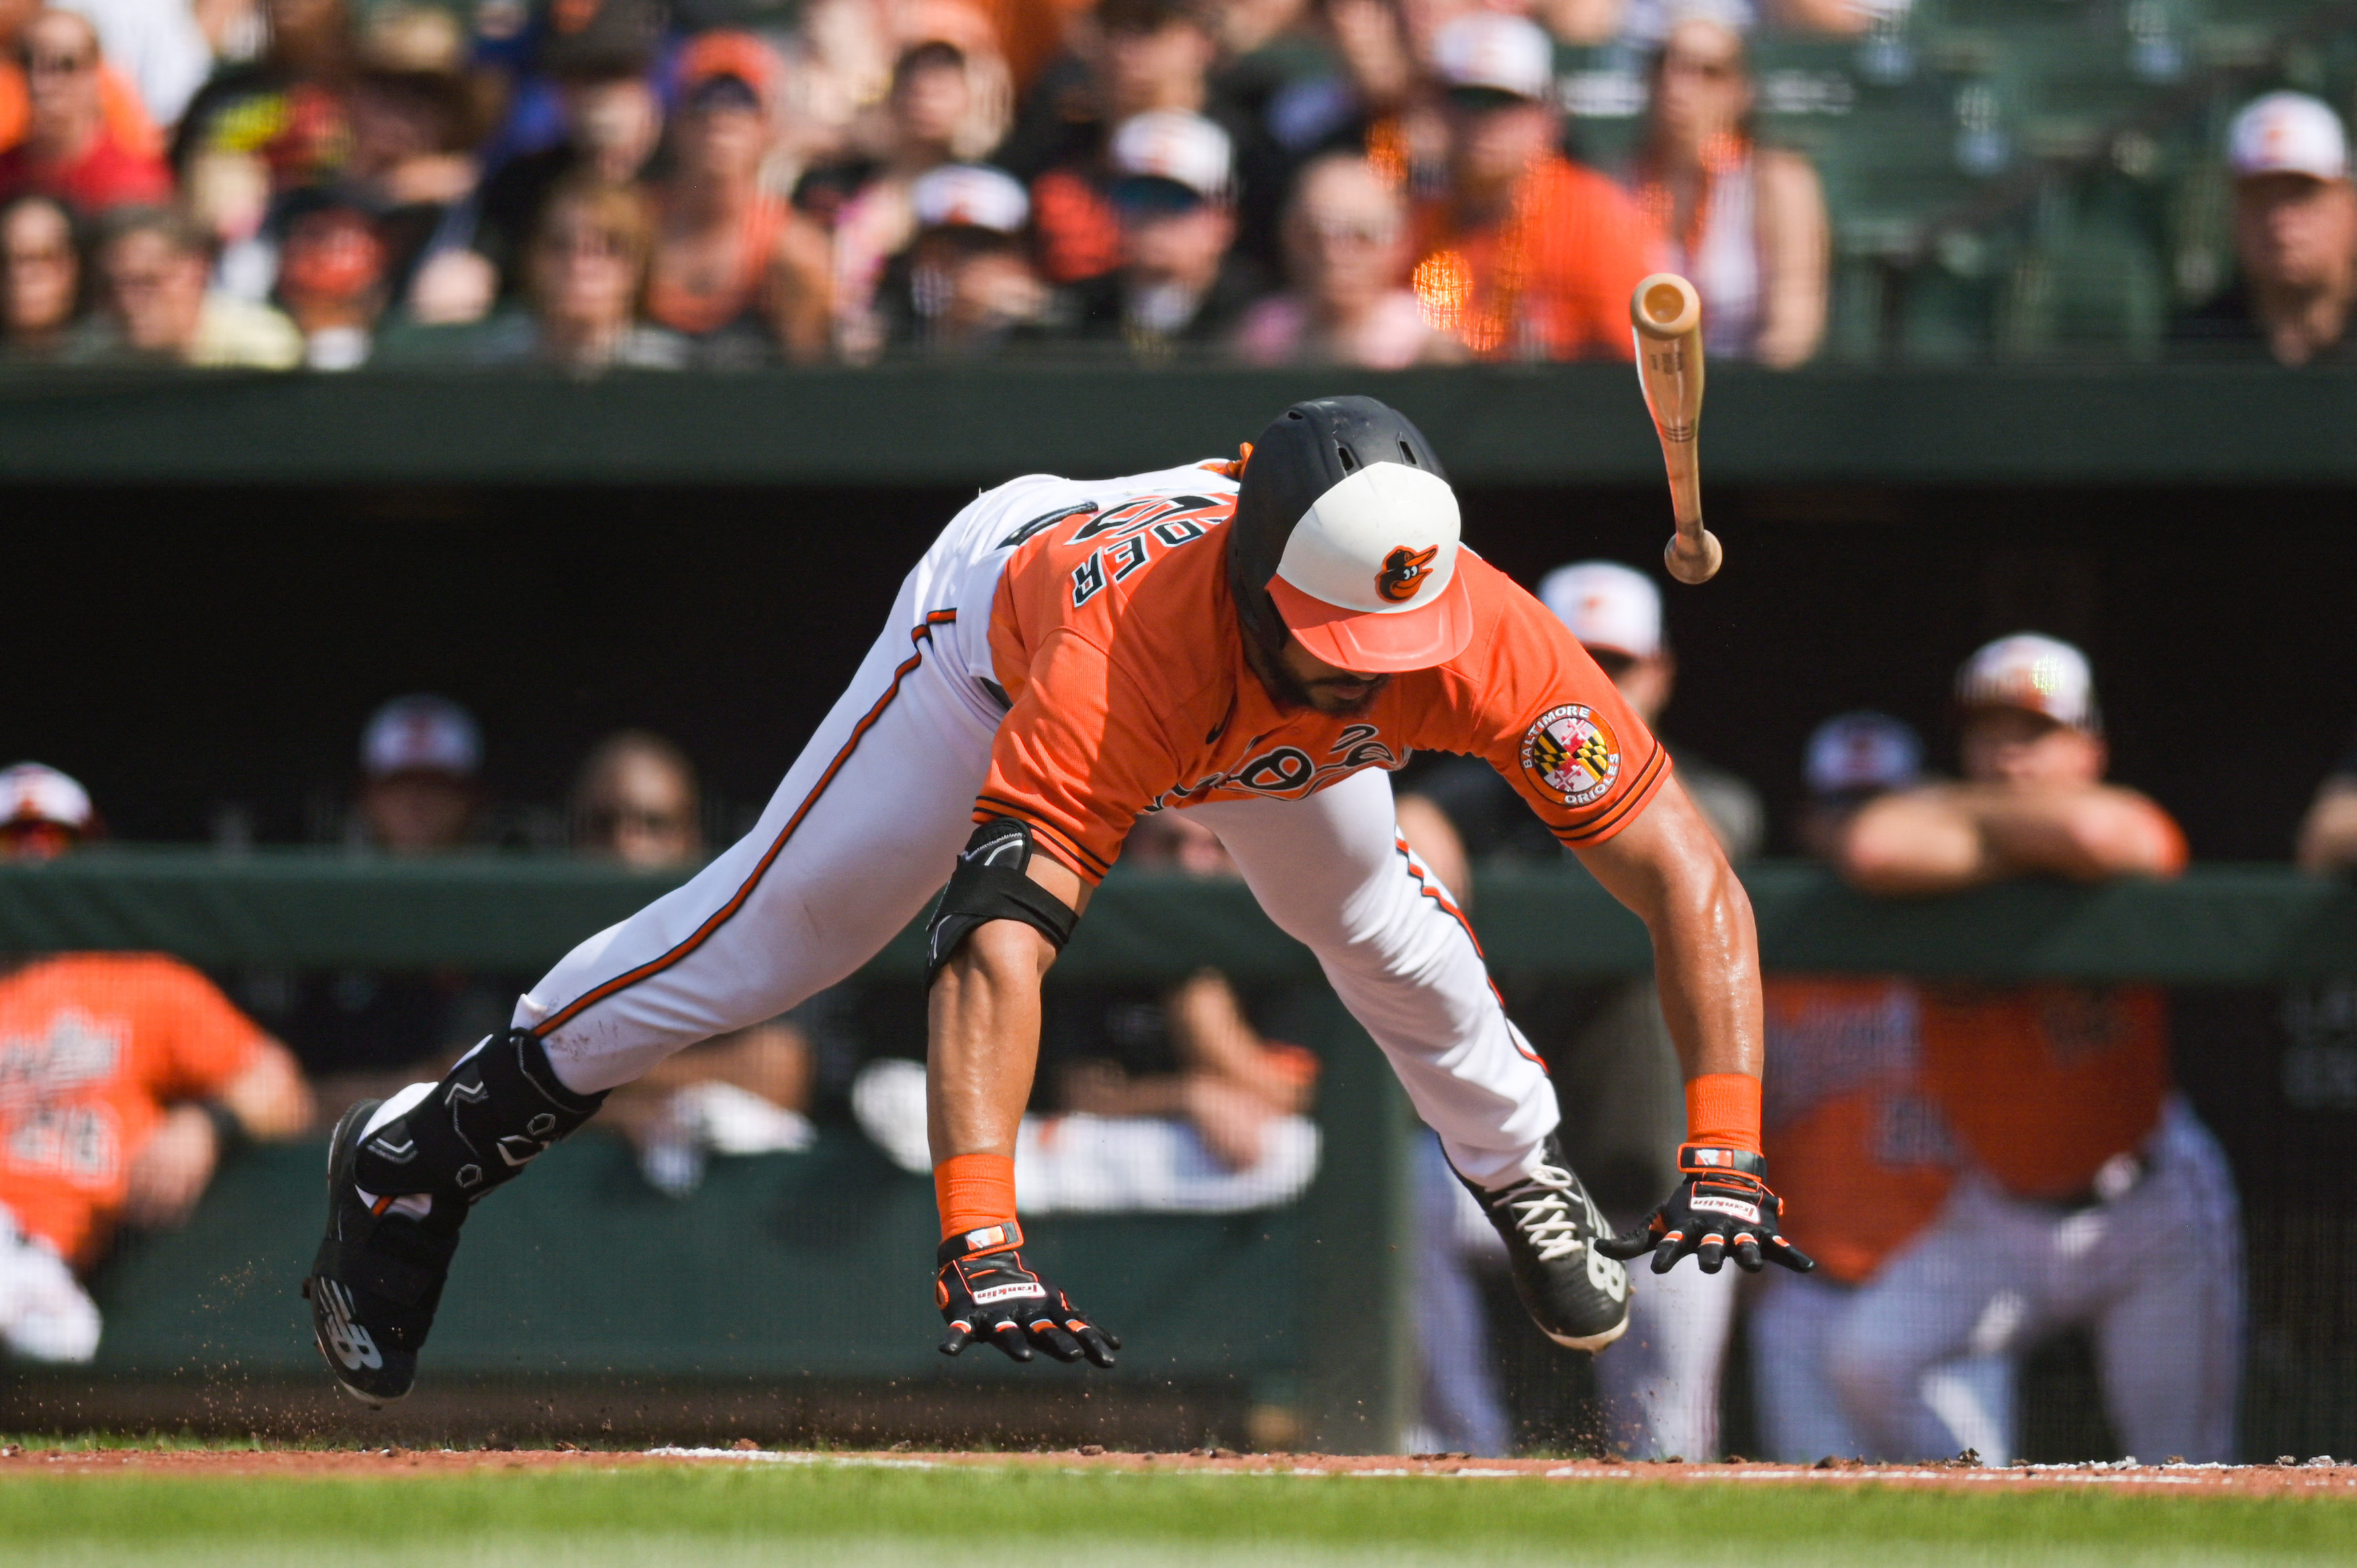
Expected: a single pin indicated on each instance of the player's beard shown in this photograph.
(1326, 695)
(1323, 696)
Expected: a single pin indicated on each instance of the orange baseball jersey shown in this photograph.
(92, 1048)
(1113, 633)
(1551, 280)
(2044, 1083)
(1860, 1154)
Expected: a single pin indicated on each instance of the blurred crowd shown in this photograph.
(588, 184)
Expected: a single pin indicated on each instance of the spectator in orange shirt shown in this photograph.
(2094, 1198)
(1528, 255)
(1850, 1128)
(126, 112)
(123, 1079)
(71, 151)
(734, 269)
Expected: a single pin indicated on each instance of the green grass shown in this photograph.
(857, 1514)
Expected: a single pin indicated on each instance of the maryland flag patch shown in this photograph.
(1570, 755)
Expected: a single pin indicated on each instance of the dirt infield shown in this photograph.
(2312, 1478)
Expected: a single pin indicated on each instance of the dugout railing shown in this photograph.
(805, 1271)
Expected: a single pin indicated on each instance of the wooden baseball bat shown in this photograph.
(1667, 315)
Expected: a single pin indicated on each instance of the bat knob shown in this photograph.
(1693, 560)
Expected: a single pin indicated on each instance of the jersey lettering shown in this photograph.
(1088, 579)
(1185, 531)
(1127, 556)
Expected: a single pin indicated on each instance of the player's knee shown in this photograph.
(1870, 1371)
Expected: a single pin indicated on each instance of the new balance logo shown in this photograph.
(348, 1341)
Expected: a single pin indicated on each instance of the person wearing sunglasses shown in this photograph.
(1346, 256)
(1746, 223)
(40, 277)
(71, 150)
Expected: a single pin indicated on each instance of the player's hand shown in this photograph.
(172, 1169)
(987, 1293)
(1722, 1205)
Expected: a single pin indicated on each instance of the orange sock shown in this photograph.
(1722, 1109)
(976, 1190)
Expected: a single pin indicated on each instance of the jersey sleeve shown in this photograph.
(1553, 724)
(1078, 757)
(206, 1042)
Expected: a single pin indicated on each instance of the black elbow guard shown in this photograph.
(992, 882)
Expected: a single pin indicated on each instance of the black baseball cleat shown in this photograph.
(378, 1277)
(1578, 1296)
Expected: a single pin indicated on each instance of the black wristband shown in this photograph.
(229, 1128)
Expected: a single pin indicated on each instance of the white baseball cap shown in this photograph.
(1173, 145)
(2042, 674)
(970, 196)
(1852, 753)
(2287, 132)
(35, 792)
(1608, 606)
(1488, 49)
(1381, 543)
(421, 735)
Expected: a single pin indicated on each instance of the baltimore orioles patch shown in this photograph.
(1570, 753)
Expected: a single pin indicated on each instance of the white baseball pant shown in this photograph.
(1660, 1384)
(45, 1315)
(1793, 1319)
(2157, 1272)
(869, 819)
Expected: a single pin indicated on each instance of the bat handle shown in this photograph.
(1693, 555)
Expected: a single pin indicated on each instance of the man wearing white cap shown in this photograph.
(1848, 1119)
(2295, 237)
(1180, 281)
(964, 287)
(1527, 255)
(2092, 1196)
(418, 758)
(1258, 641)
(129, 1077)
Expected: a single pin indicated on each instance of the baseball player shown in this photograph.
(1864, 1157)
(125, 1078)
(2092, 1197)
(1257, 641)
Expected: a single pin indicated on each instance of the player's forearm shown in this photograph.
(982, 1023)
(1707, 967)
(1667, 867)
(270, 1098)
(1912, 843)
(2086, 834)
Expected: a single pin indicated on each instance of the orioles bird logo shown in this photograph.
(1404, 571)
